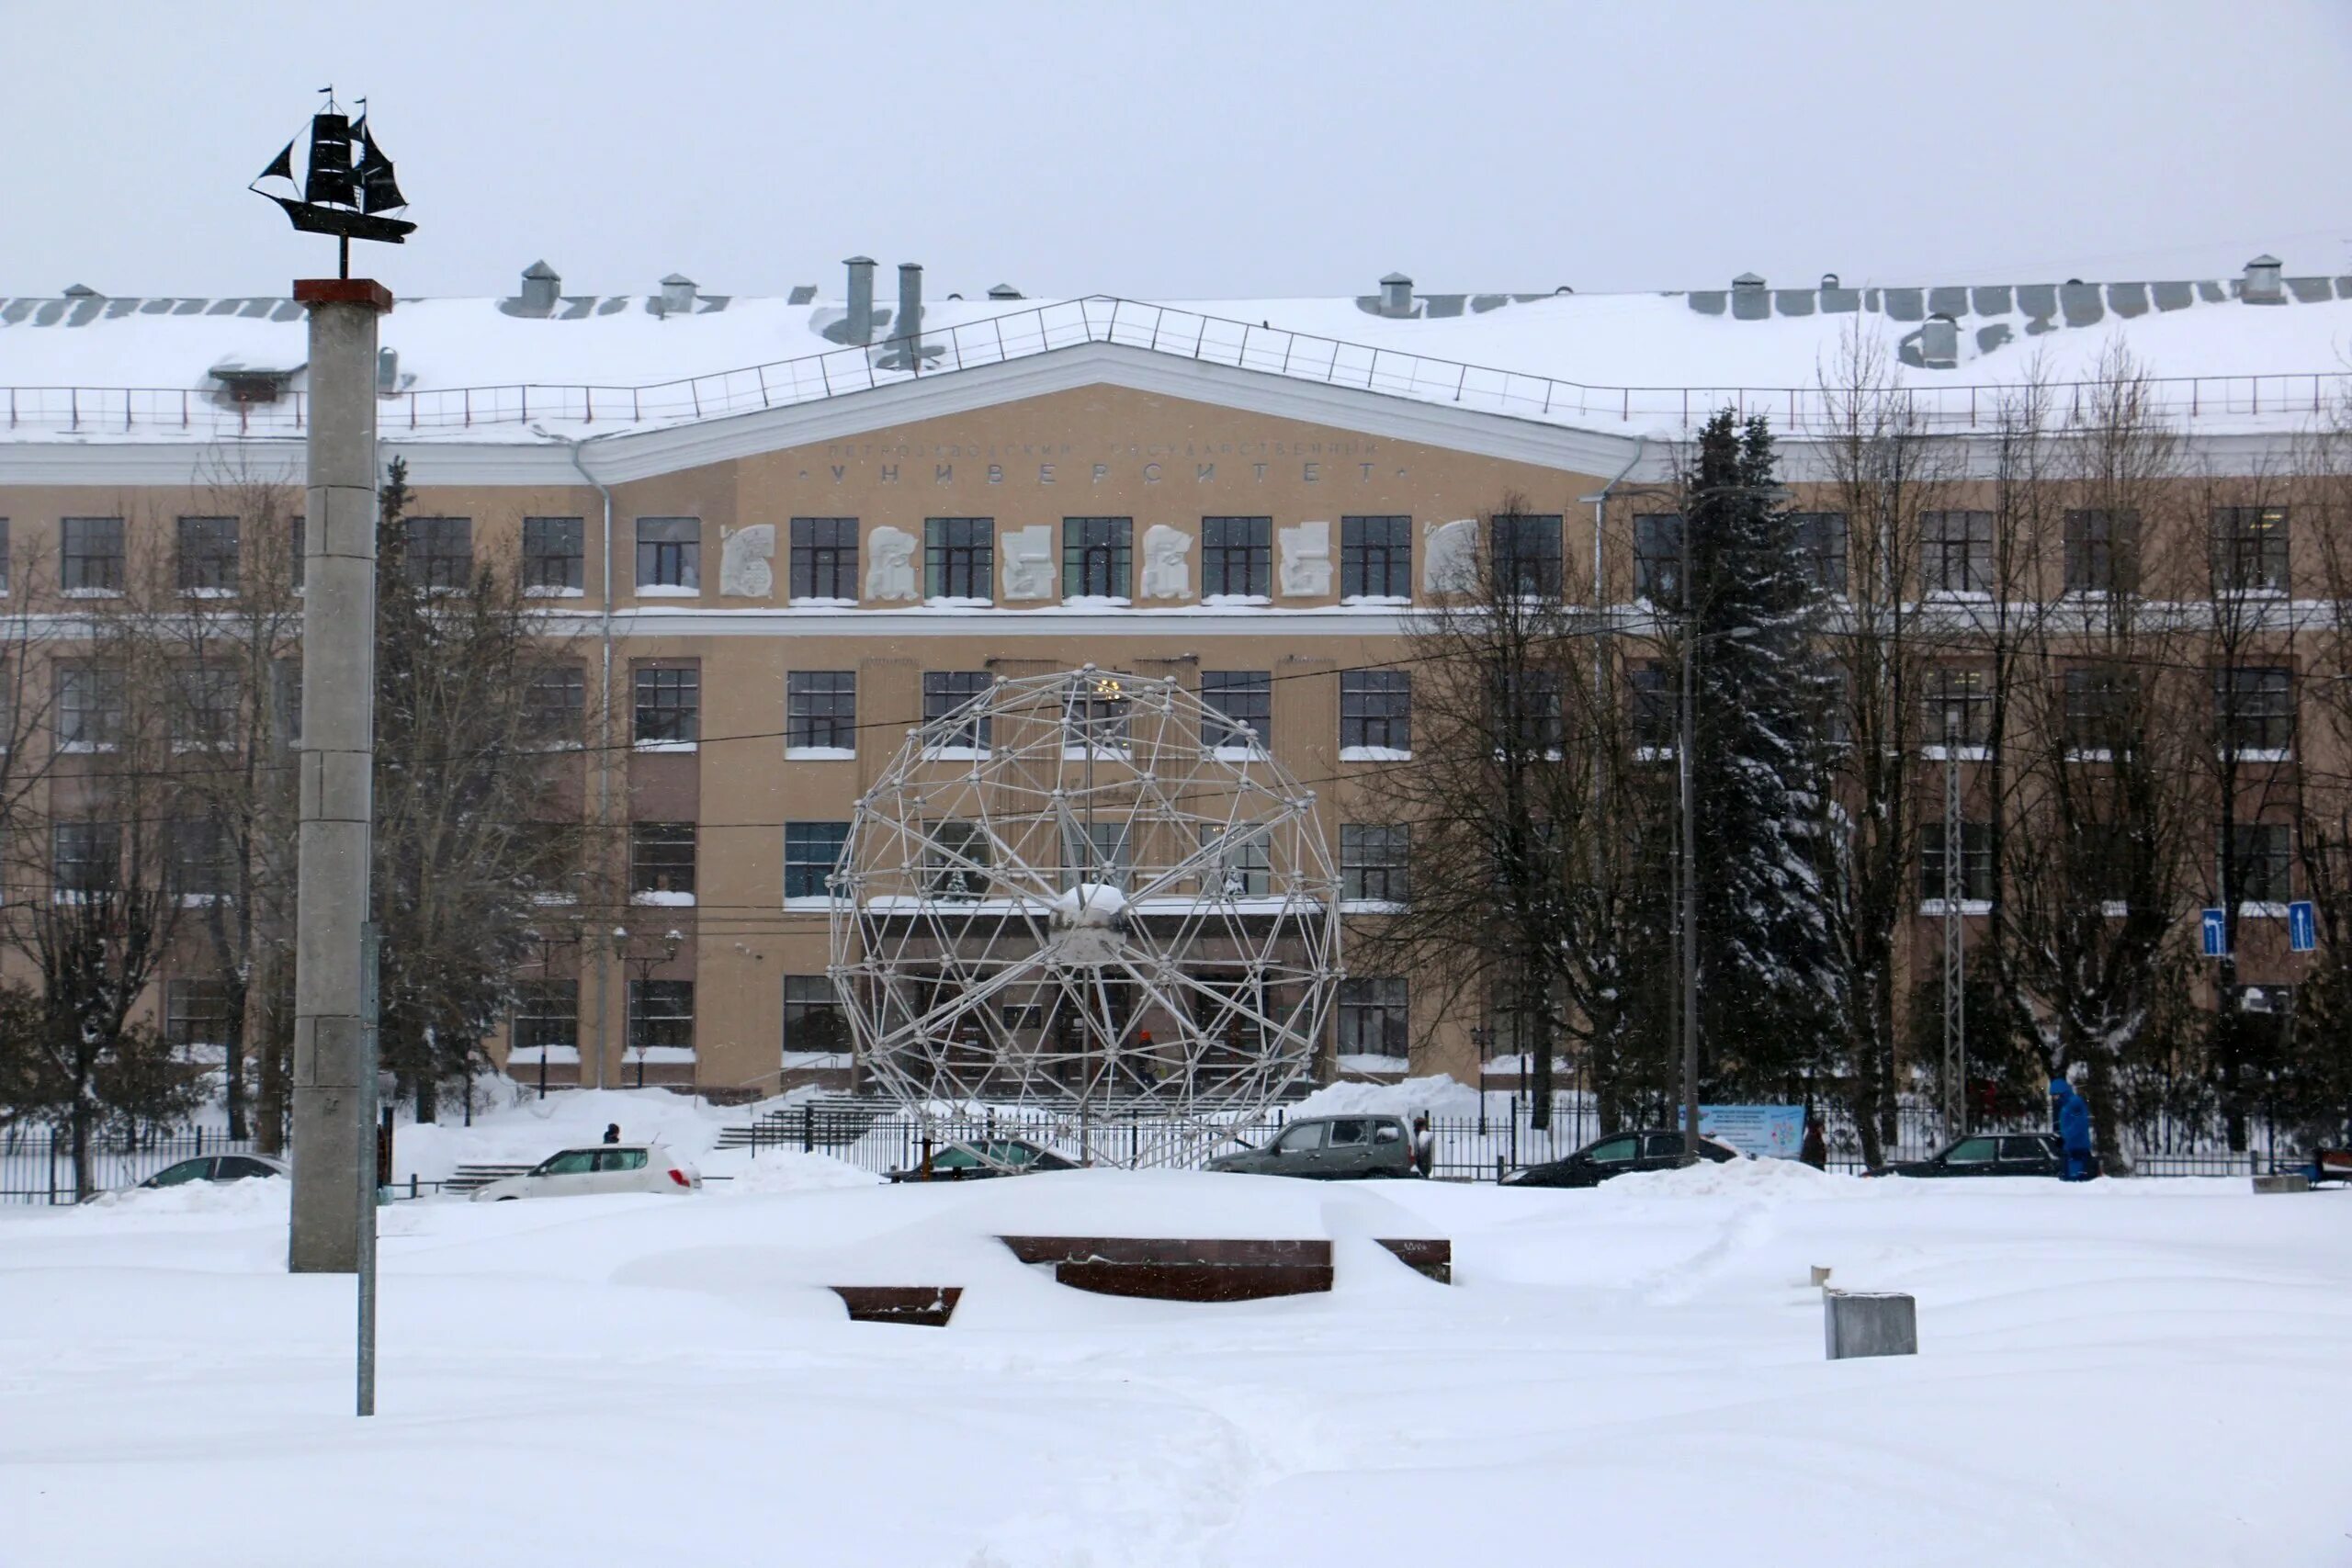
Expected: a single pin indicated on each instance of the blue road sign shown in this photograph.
(2217, 934)
(2302, 929)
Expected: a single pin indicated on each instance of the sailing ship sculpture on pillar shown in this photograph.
(348, 189)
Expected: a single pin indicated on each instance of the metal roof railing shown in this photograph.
(449, 413)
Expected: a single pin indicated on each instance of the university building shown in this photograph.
(778, 533)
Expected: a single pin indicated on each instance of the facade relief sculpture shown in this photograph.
(1167, 574)
(1028, 567)
(744, 557)
(890, 567)
(1306, 560)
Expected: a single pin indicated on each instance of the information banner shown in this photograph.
(1768, 1132)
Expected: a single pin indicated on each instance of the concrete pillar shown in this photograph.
(909, 322)
(334, 1049)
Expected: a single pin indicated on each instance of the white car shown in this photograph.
(606, 1168)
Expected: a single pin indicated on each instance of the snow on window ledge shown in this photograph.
(1653, 753)
(956, 602)
(1958, 596)
(1233, 601)
(554, 1055)
(954, 753)
(2089, 754)
(1097, 601)
(2258, 754)
(668, 590)
(1374, 754)
(658, 1056)
(91, 593)
(2114, 908)
(1096, 753)
(808, 901)
(821, 754)
(665, 900)
(2262, 911)
(554, 901)
(550, 591)
(207, 593)
(1240, 753)
(1955, 753)
(84, 748)
(814, 603)
(202, 900)
(1370, 907)
(1377, 600)
(1369, 1064)
(1937, 906)
(667, 745)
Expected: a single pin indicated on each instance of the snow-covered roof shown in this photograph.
(487, 369)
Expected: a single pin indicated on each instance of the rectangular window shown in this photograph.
(86, 857)
(1376, 557)
(1650, 711)
(1110, 852)
(1821, 548)
(812, 849)
(2102, 550)
(669, 555)
(949, 693)
(546, 1017)
(1527, 551)
(820, 710)
(196, 863)
(1241, 709)
(89, 707)
(286, 702)
(1530, 714)
(1976, 866)
(662, 860)
(824, 558)
(1959, 707)
(440, 552)
(2250, 550)
(2099, 700)
(204, 705)
(1956, 552)
(1237, 555)
(814, 1022)
(661, 1015)
(1375, 1013)
(669, 705)
(1658, 557)
(90, 555)
(208, 555)
(1243, 863)
(1372, 860)
(1099, 716)
(551, 860)
(2255, 709)
(2264, 861)
(1375, 711)
(555, 706)
(1096, 554)
(196, 1012)
(554, 555)
(959, 558)
(298, 561)
(956, 860)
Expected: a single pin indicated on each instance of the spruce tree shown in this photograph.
(1767, 982)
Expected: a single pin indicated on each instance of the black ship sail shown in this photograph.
(348, 187)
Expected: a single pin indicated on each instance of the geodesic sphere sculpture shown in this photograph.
(1093, 900)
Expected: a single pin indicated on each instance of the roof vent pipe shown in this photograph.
(1396, 295)
(1004, 291)
(387, 372)
(677, 295)
(2262, 285)
(540, 286)
(1828, 280)
(1940, 342)
(1748, 300)
(860, 299)
(908, 325)
(82, 292)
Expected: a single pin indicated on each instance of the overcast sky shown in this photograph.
(1191, 150)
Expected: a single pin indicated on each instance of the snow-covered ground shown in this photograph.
(2136, 1374)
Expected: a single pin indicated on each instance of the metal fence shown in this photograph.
(1157, 329)
(37, 1163)
(1501, 1139)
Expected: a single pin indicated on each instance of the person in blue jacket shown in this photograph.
(2073, 1118)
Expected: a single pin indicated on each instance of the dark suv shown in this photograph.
(1614, 1156)
(1990, 1153)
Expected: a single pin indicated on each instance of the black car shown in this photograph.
(984, 1157)
(1614, 1156)
(1990, 1153)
